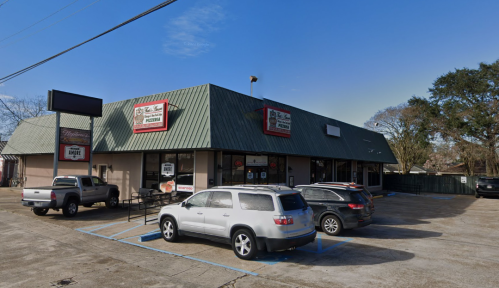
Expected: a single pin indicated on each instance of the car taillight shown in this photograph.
(283, 220)
(52, 196)
(22, 195)
(476, 185)
(356, 206)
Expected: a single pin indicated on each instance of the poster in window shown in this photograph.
(250, 175)
(263, 175)
(168, 169)
(276, 121)
(167, 187)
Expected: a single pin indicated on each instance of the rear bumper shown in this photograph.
(40, 204)
(358, 224)
(487, 193)
(274, 244)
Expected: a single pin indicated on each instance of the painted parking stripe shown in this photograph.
(319, 245)
(189, 257)
(104, 226)
(112, 236)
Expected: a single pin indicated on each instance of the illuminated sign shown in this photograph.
(150, 116)
(276, 121)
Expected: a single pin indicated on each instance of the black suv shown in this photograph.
(337, 208)
(487, 186)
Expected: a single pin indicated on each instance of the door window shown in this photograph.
(199, 200)
(86, 182)
(221, 200)
(103, 172)
(98, 182)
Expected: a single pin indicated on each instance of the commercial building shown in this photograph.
(195, 138)
(8, 166)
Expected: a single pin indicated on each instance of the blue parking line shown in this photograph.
(319, 245)
(126, 230)
(104, 226)
(189, 257)
(94, 234)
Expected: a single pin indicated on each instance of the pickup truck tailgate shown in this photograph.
(41, 193)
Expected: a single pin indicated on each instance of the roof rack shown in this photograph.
(273, 188)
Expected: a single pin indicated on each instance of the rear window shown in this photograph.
(259, 202)
(357, 197)
(293, 202)
(64, 182)
(490, 181)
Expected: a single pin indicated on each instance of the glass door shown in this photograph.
(256, 175)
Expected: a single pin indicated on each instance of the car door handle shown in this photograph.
(200, 213)
(226, 215)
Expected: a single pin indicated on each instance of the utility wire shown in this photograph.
(4, 2)
(13, 75)
(50, 24)
(39, 21)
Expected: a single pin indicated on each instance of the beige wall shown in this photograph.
(204, 169)
(301, 169)
(125, 173)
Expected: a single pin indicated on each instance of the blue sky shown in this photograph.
(341, 59)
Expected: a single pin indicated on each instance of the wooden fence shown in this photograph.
(447, 184)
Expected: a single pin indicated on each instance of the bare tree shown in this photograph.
(406, 133)
(14, 110)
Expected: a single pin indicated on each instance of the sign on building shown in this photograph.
(276, 121)
(74, 144)
(150, 116)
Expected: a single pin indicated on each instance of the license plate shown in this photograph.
(489, 186)
(38, 204)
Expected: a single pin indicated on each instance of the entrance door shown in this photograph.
(256, 175)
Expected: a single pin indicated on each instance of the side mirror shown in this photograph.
(182, 204)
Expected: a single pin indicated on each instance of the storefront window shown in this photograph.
(151, 171)
(373, 174)
(235, 172)
(226, 170)
(343, 171)
(168, 168)
(321, 171)
(360, 173)
(237, 169)
(169, 172)
(273, 169)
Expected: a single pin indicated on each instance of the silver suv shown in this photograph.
(248, 218)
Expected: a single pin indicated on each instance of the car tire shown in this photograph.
(169, 229)
(331, 225)
(88, 205)
(40, 211)
(477, 195)
(244, 244)
(112, 201)
(71, 208)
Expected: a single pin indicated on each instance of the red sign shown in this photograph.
(238, 163)
(276, 121)
(150, 116)
(77, 153)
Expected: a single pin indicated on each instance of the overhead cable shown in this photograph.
(38, 21)
(4, 2)
(157, 7)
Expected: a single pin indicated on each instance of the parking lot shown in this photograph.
(414, 241)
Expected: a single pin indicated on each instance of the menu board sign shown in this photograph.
(150, 116)
(276, 121)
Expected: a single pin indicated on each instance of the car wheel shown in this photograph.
(244, 244)
(477, 195)
(331, 225)
(112, 201)
(71, 208)
(88, 205)
(40, 211)
(169, 229)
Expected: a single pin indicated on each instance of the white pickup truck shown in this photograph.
(67, 192)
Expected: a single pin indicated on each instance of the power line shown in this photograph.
(50, 24)
(39, 21)
(13, 75)
(4, 2)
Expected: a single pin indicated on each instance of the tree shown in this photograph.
(443, 155)
(464, 107)
(406, 132)
(14, 110)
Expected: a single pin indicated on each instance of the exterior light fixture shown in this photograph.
(252, 79)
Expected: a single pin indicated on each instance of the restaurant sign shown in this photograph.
(74, 144)
(276, 121)
(150, 116)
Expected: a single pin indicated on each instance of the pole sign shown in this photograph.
(276, 121)
(74, 144)
(150, 116)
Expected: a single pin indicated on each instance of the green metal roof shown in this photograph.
(207, 117)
